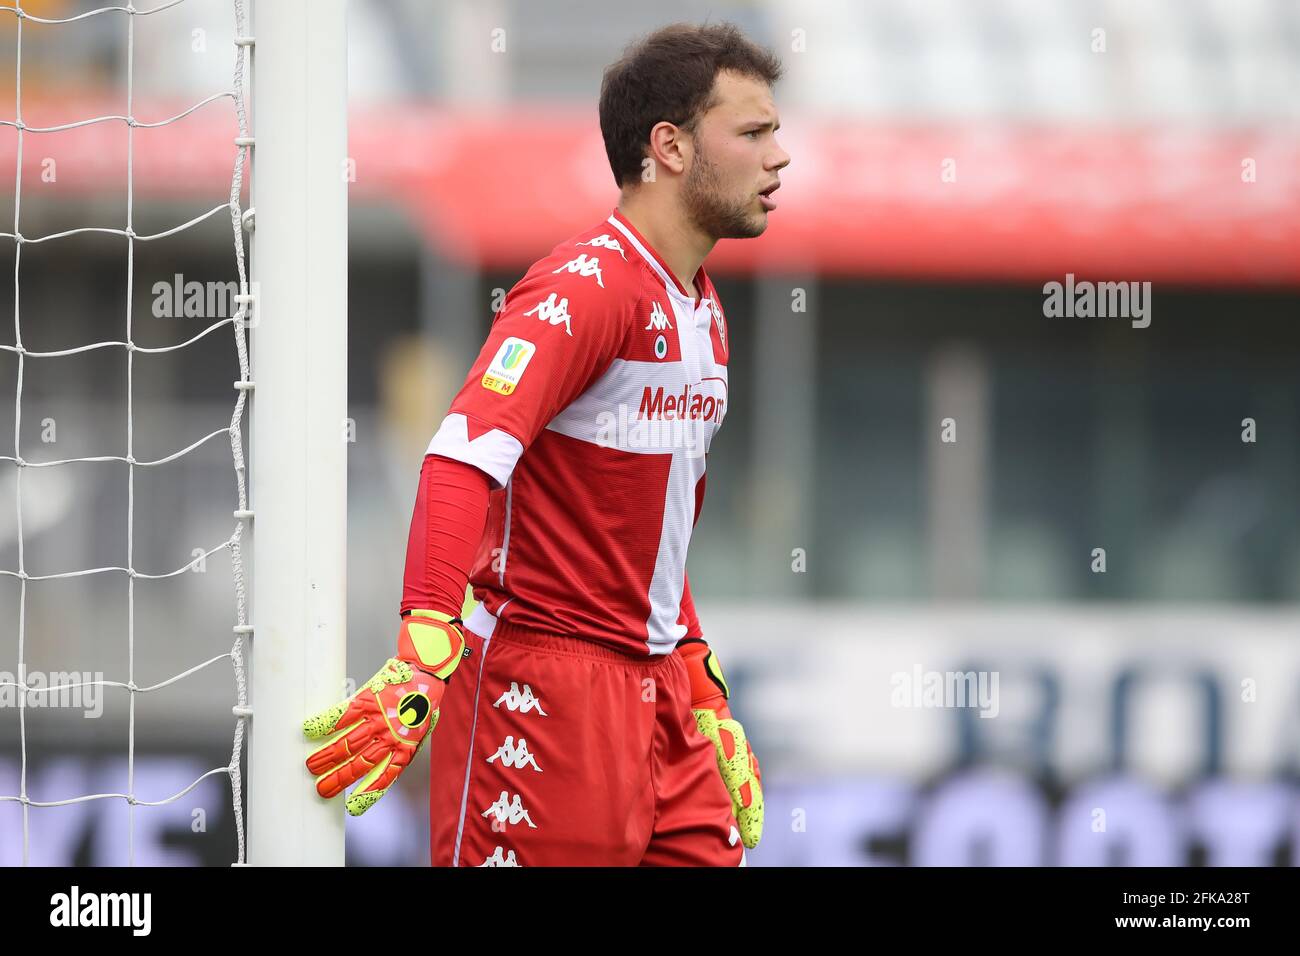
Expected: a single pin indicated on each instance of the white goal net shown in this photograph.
(126, 542)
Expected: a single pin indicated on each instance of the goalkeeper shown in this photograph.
(577, 716)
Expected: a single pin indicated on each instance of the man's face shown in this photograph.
(736, 157)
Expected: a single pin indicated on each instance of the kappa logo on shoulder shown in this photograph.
(605, 242)
(658, 320)
(554, 312)
(583, 266)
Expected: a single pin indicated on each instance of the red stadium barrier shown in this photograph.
(495, 189)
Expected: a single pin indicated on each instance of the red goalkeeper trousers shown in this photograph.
(554, 751)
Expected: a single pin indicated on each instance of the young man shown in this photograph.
(588, 722)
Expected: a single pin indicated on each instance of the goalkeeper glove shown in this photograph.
(736, 760)
(376, 733)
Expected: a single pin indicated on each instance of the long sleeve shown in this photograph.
(706, 691)
(450, 513)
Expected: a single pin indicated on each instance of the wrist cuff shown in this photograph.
(708, 685)
(433, 640)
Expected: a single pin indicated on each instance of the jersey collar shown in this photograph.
(652, 258)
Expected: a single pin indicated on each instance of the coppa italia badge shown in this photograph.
(661, 346)
(507, 367)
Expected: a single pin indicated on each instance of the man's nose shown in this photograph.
(781, 160)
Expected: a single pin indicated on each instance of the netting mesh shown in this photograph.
(238, 324)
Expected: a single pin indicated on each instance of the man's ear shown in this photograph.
(670, 146)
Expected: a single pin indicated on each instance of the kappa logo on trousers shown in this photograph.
(506, 811)
(496, 859)
(522, 701)
(512, 755)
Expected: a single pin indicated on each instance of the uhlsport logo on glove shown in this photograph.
(413, 709)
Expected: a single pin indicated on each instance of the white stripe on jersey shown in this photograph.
(494, 452)
(669, 578)
(668, 581)
(606, 413)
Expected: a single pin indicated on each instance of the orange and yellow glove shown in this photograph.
(736, 760)
(376, 733)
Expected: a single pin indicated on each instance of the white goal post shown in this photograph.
(298, 467)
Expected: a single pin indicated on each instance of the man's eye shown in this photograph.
(753, 132)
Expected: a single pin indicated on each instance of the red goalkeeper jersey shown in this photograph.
(591, 408)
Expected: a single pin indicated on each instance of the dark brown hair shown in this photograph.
(668, 77)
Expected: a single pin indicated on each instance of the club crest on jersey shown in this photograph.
(658, 320)
(583, 266)
(554, 312)
(507, 367)
(717, 318)
(605, 242)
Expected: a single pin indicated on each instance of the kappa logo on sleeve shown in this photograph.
(605, 242)
(584, 266)
(507, 368)
(554, 312)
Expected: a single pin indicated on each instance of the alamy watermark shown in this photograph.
(66, 690)
(179, 299)
(1103, 300)
(665, 420)
(128, 910)
(629, 431)
(922, 688)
